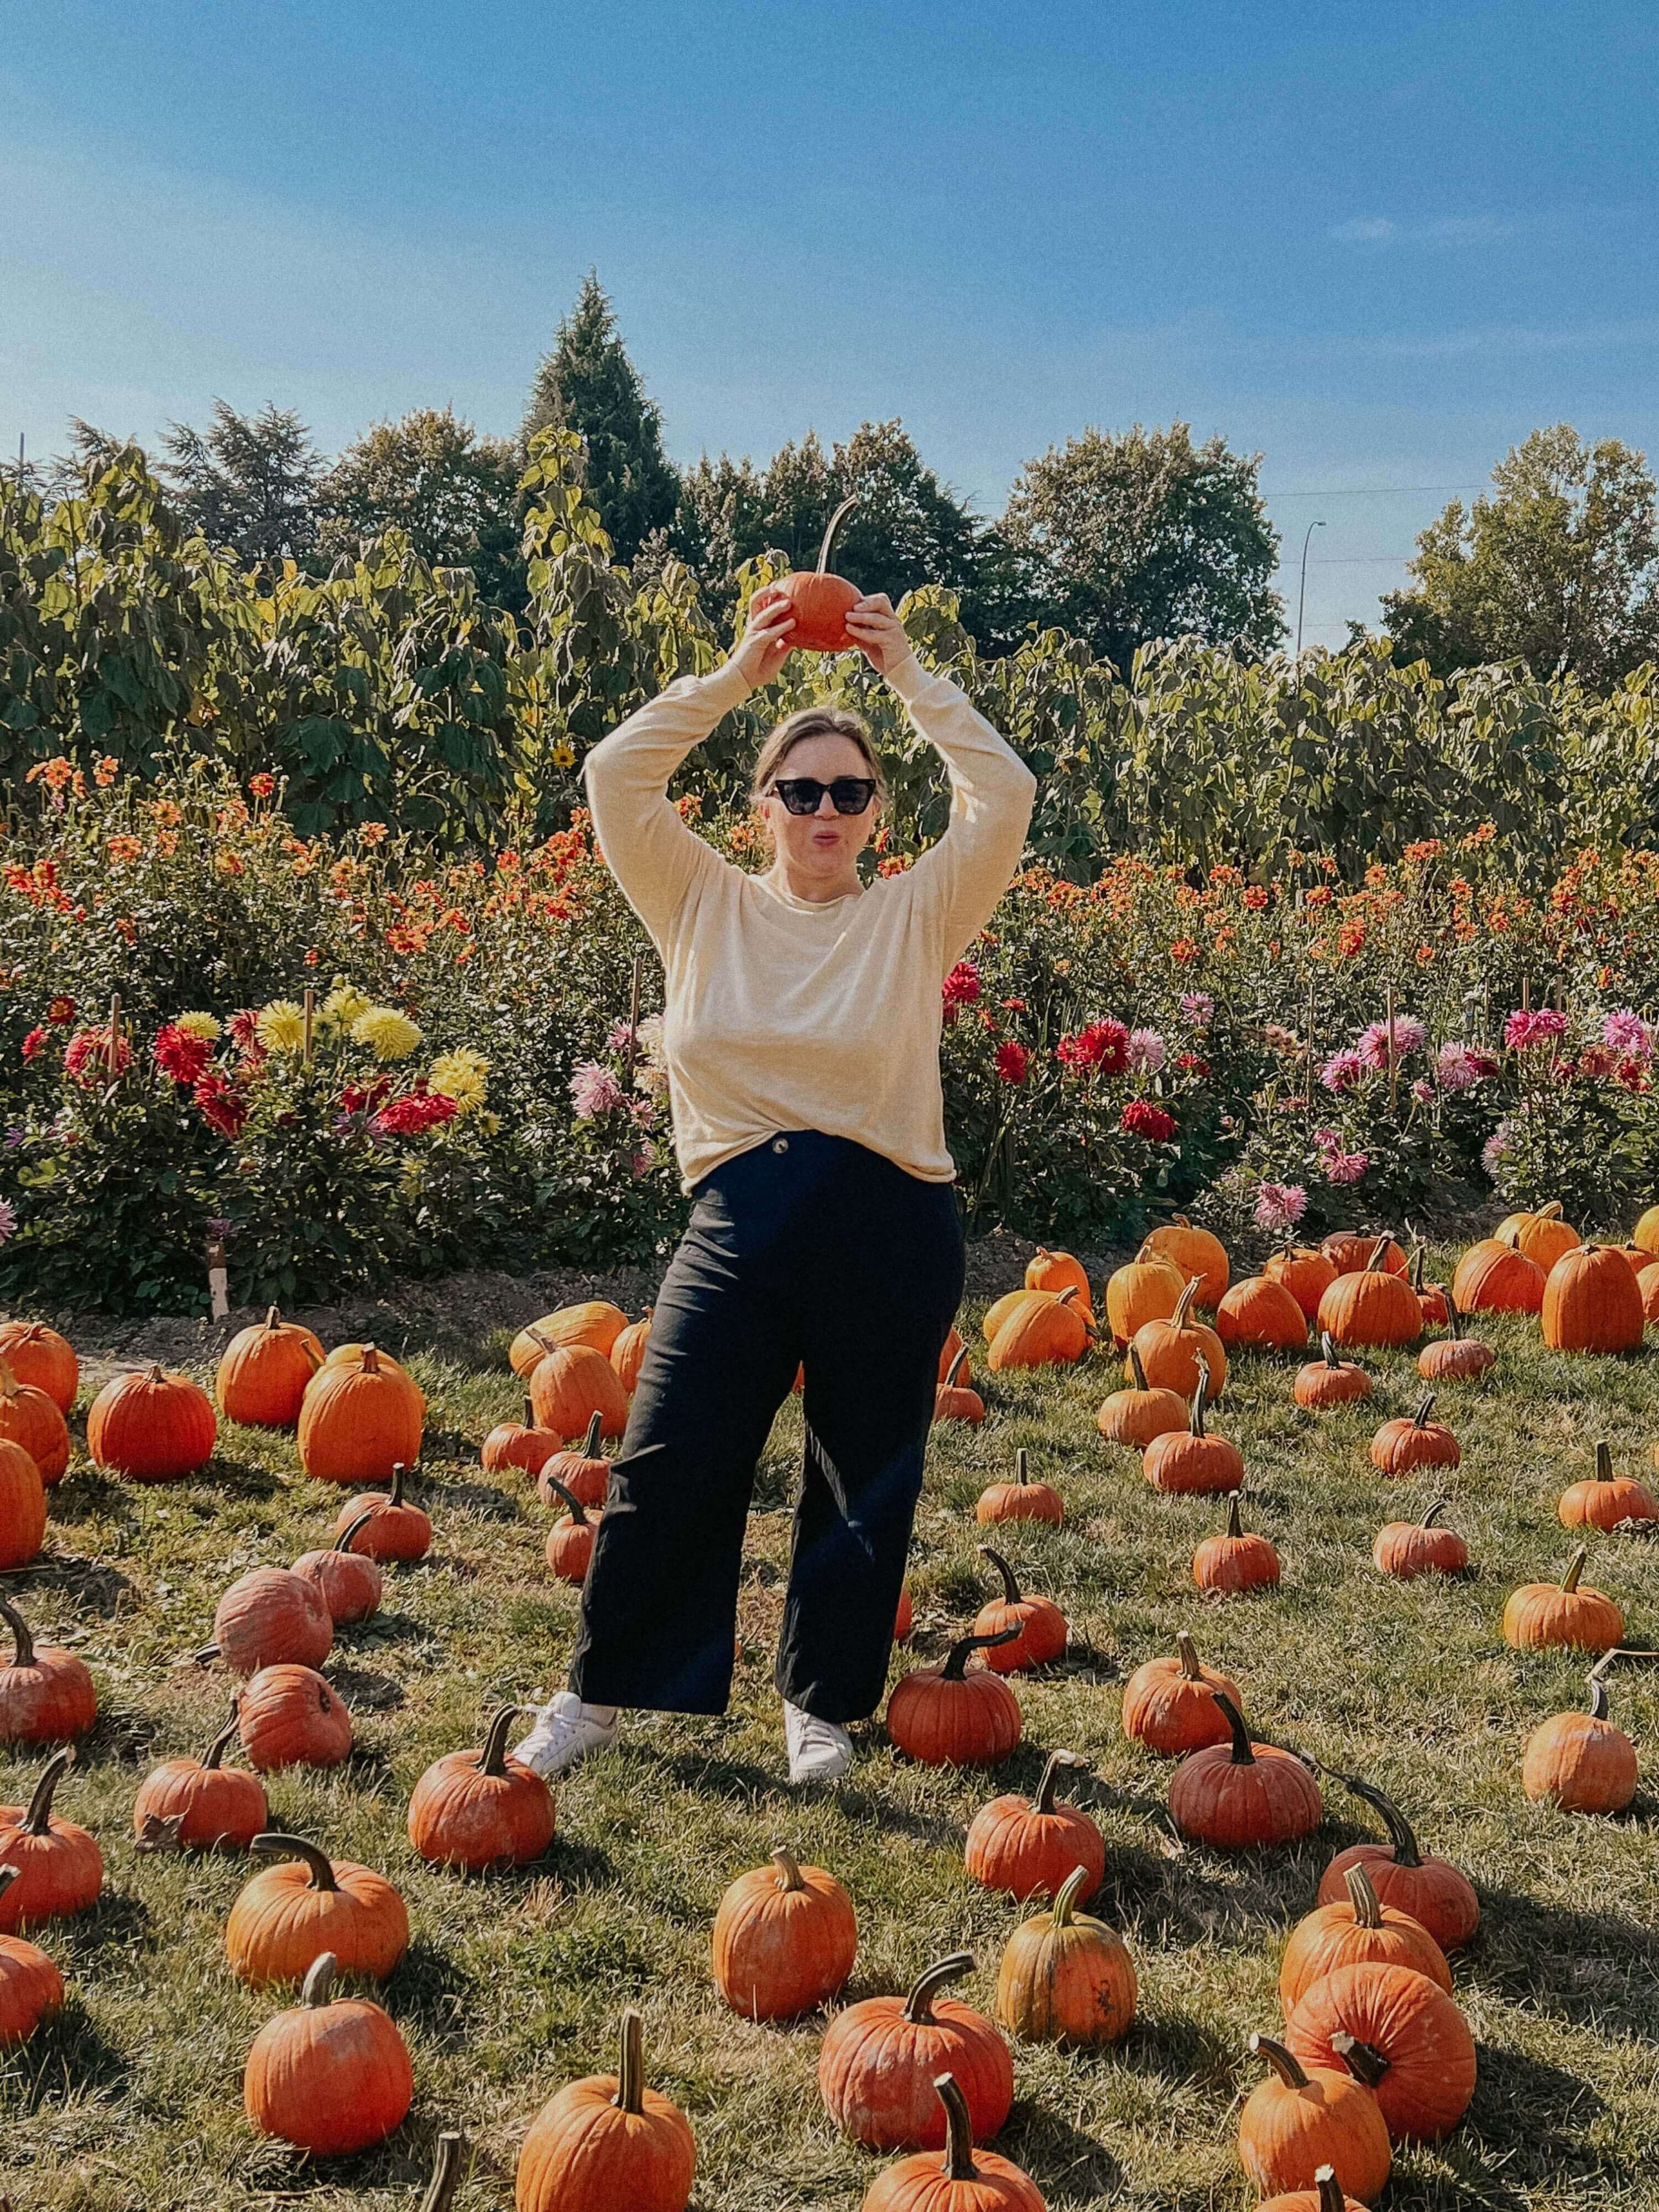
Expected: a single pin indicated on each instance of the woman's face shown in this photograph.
(826, 844)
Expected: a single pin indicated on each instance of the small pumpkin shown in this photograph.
(1305, 1272)
(1262, 1314)
(42, 1360)
(1541, 1237)
(1645, 1235)
(1168, 1705)
(1041, 1331)
(1200, 1257)
(953, 1715)
(263, 1372)
(1240, 1793)
(819, 600)
(904, 1618)
(1401, 2034)
(397, 1529)
(200, 1805)
(1000, 1309)
(628, 1352)
(1194, 1461)
(289, 1915)
(30, 1419)
(1430, 1889)
(1430, 1296)
(1145, 1288)
(1040, 1623)
(1592, 1302)
(1457, 1357)
(269, 1616)
(570, 1540)
(1407, 1548)
(1606, 1499)
(60, 1868)
(1299, 2119)
(955, 1399)
(1371, 1306)
(518, 1446)
(1030, 1847)
(1647, 1281)
(1351, 1250)
(1170, 1351)
(586, 1470)
(1134, 1416)
(595, 1323)
(31, 1986)
(1578, 1616)
(947, 1357)
(1065, 1978)
(348, 1582)
(1581, 1762)
(359, 1419)
(1494, 1278)
(481, 1809)
(609, 2140)
(22, 1507)
(968, 2180)
(570, 1384)
(1330, 1379)
(288, 1715)
(1235, 1561)
(1057, 1272)
(330, 2075)
(879, 2059)
(784, 1940)
(47, 1693)
(1360, 1928)
(1402, 1445)
(1022, 1500)
(151, 1426)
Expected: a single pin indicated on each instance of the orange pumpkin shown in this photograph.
(331, 2076)
(1041, 1331)
(288, 1715)
(1298, 2120)
(1401, 2034)
(570, 1540)
(1064, 1978)
(585, 1471)
(608, 2140)
(1057, 1272)
(953, 1715)
(46, 1693)
(1329, 1379)
(1170, 1351)
(351, 1355)
(151, 1426)
(784, 1940)
(1261, 1313)
(1371, 1306)
(1430, 1296)
(396, 1529)
(1145, 1288)
(1647, 1281)
(348, 1581)
(270, 1616)
(1193, 1461)
(479, 1809)
(22, 1507)
(1541, 1237)
(1350, 1250)
(1031, 1847)
(1168, 1705)
(1360, 1929)
(570, 1384)
(1581, 1762)
(1432, 1889)
(1457, 1357)
(819, 600)
(947, 1357)
(1645, 1235)
(1039, 1621)
(879, 2059)
(1592, 1302)
(1240, 1793)
(42, 1360)
(1606, 1499)
(1136, 1415)
(1305, 1272)
(627, 1352)
(30, 1419)
(358, 1421)
(60, 1868)
(287, 1916)
(595, 1323)
(513, 1445)
(965, 2180)
(1401, 1445)
(264, 1370)
(1494, 1278)
(31, 1986)
(954, 1400)
(1200, 1257)
(1406, 1548)
(1235, 1562)
(186, 1804)
(1022, 1500)
(1582, 1619)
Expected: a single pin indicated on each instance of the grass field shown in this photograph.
(514, 1985)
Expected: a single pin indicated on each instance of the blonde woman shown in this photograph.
(801, 1036)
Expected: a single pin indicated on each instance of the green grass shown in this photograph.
(514, 1985)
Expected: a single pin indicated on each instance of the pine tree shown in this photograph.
(588, 383)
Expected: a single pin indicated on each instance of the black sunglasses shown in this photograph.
(801, 794)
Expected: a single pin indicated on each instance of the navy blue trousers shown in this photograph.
(807, 1248)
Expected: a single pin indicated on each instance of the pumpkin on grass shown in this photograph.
(1262, 1314)
(520, 1445)
(30, 1419)
(608, 2140)
(1407, 1548)
(1401, 2034)
(585, 1471)
(331, 2076)
(1350, 1251)
(287, 1915)
(627, 1353)
(1402, 1445)
(1145, 1288)
(966, 2180)
(263, 1372)
(1298, 2118)
(1372, 1306)
(1327, 2195)
(571, 1383)
(1431, 1890)
(1030, 1847)
(359, 1419)
(396, 1529)
(31, 1986)
(1241, 1793)
(1362, 1928)
(1457, 1357)
(879, 2059)
(1542, 1237)
(1201, 1256)
(1235, 1561)
(42, 1360)
(481, 1809)
(200, 1805)
(1647, 1281)
(268, 1616)
(1575, 1615)
(288, 1715)
(1022, 1500)
(1191, 1461)
(904, 1618)
(955, 1399)
(1043, 1330)
(1040, 1623)
(47, 1693)
(348, 1582)
(570, 1540)
(1305, 1272)
(953, 1715)
(22, 1507)
(1430, 1296)
(1330, 1379)
(1065, 1978)
(1592, 1302)
(1494, 1278)
(1057, 1272)
(1582, 1762)
(151, 1426)
(784, 1940)
(352, 1355)
(595, 1323)
(1168, 1705)
(60, 1868)
(1170, 1351)
(1605, 1499)
(1135, 1416)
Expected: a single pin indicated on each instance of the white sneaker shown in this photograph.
(566, 1730)
(818, 1750)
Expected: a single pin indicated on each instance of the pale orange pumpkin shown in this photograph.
(595, 1323)
(1581, 1761)
(1043, 1331)
(1135, 1416)
(1541, 1237)
(1145, 1288)
(1200, 1257)
(1568, 1613)
(1169, 1351)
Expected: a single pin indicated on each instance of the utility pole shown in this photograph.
(1302, 596)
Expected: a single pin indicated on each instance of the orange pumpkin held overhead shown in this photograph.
(1407, 1548)
(38, 1356)
(1261, 1313)
(1200, 1257)
(264, 1370)
(1401, 1445)
(1168, 1705)
(1134, 1416)
(29, 1418)
(879, 2059)
(1567, 1613)
(1592, 1302)
(784, 1940)
(357, 1420)
(331, 2076)
(1542, 1237)
(1582, 1762)
(1145, 1288)
(1494, 1278)
(1192, 1459)
(1306, 1274)
(1605, 1499)
(1065, 1978)
(1432, 1889)
(1330, 1379)
(1240, 1793)
(1030, 1847)
(608, 2140)
(1371, 1306)
(820, 600)
(1022, 1500)
(1169, 1351)
(1235, 1561)
(1299, 2118)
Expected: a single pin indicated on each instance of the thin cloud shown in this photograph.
(1452, 230)
(1365, 230)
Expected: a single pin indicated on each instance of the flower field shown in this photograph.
(511, 1982)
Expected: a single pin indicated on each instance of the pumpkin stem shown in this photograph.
(1418, 1254)
(1044, 1800)
(37, 1821)
(1550, 1212)
(20, 1634)
(630, 2080)
(1184, 1305)
(1373, 1264)
(1200, 1392)
(1328, 1351)
(273, 1319)
(398, 1472)
(493, 1760)
(447, 2172)
(1242, 1753)
(220, 1743)
(1453, 1316)
(344, 1541)
(956, 1659)
(1066, 1898)
(1420, 1418)
(1406, 1850)
(1604, 1462)
(788, 1867)
(1435, 1511)
(1009, 1587)
(1598, 1697)
(1188, 1652)
(1137, 1370)
(1022, 1472)
(590, 1441)
(8, 1380)
(205, 1656)
(1362, 2060)
(276, 1845)
(370, 1362)
(1235, 1526)
(955, 1369)
(1362, 1895)
(958, 2131)
(1569, 1580)
(919, 2005)
(1284, 2061)
(314, 1989)
(845, 507)
(1331, 2198)
(578, 1513)
(9, 1874)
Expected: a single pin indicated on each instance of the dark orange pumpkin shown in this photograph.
(1431, 1890)
(331, 2076)
(1136, 1415)
(879, 2059)
(1371, 1305)
(22, 1507)
(1042, 1330)
(1040, 1623)
(47, 1693)
(1168, 1705)
(954, 1399)
(270, 1616)
(953, 1715)
(1592, 1302)
(1605, 1499)
(42, 1360)
(31, 1986)
(1297, 2119)
(1064, 1978)
(397, 1530)
(1261, 1313)
(291, 1716)
(1028, 1847)
(1400, 1446)
(570, 1540)
(1329, 1379)
(151, 1426)
(584, 1472)
(287, 1916)
(1022, 1500)
(30, 1417)
(360, 1418)
(1170, 1351)
(571, 1383)
(1494, 1278)
(199, 1805)
(264, 1370)
(60, 1868)
(1241, 1793)
(516, 1445)
(819, 600)
(1361, 1929)
(1349, 1250)
(1406, 1549)
(609, 2139)
(1235, 1561)
(1306, 1274)
(1569, 1613)
(347, 1581)
(1192, 1462)
(1582, 1762)
(481, 1809)
(784, 1940)
(1430, 1296)
(1401, 2034)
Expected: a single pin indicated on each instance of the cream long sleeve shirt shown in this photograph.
(784, 1013)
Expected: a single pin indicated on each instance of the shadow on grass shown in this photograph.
(67, 2059)
(1522, 2100)
(1068, 2160)
(1594, 1969)
(710, 1775)
(92, 1584)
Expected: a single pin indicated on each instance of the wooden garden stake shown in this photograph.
(218, 1279)
(113, 1046)
(1394, 1061)
(310, 1004)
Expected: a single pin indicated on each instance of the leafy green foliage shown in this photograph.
(453, 494)
(248, 482)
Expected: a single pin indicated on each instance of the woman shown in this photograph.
(801, 1036)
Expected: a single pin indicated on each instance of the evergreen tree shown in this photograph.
(249, 482)
(588, 383)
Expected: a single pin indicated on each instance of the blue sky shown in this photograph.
(1377, 243)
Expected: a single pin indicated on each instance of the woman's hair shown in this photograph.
(811, 722)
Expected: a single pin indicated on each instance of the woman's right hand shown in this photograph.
(764, 646)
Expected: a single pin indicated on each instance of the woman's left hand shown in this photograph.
(878, 632)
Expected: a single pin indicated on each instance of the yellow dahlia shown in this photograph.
(281, 1026)
(459, 1075)
(200, 1025)
(344, 1003)
(388, 1034)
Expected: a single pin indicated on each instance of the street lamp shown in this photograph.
(1302, 596)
